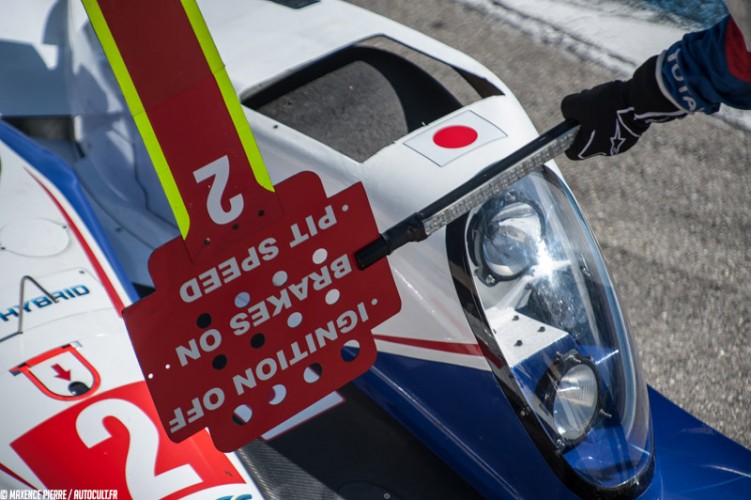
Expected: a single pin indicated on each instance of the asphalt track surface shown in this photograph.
(673, 216)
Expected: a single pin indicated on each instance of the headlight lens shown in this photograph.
(575, 402)
(570, 396)
(542, 302)
(509, 239)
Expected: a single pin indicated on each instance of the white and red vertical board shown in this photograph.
(259, 309)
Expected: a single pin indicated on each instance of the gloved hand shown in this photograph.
(613, 116)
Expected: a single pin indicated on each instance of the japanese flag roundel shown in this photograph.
(454, 137)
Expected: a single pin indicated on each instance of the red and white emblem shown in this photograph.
(62, 373)
(454, 137)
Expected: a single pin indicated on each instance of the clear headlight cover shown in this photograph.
(544, 307)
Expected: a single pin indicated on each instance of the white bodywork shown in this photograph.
(260, 42)
(71, 384)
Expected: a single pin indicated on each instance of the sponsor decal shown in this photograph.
(9, 313)
(113, 442)
(685, 98)
(454, 137)
(53, 297)
(61, 373)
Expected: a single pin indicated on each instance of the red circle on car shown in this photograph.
(455, 136)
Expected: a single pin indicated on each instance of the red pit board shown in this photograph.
(245, 340)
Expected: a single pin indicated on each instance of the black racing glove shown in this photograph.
(613, 116)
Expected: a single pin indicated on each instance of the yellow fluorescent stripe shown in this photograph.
(228, 94)
(198, 24)
(176, 202)
(139, 115)
(243, 130)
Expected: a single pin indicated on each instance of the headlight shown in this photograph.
(570, 390)
(538, 297)
(509, 238)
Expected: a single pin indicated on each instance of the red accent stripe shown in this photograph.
(738, 57)
(15, 476)
(103, 278)
(434, 345)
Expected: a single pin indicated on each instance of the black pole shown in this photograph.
(413, 227)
